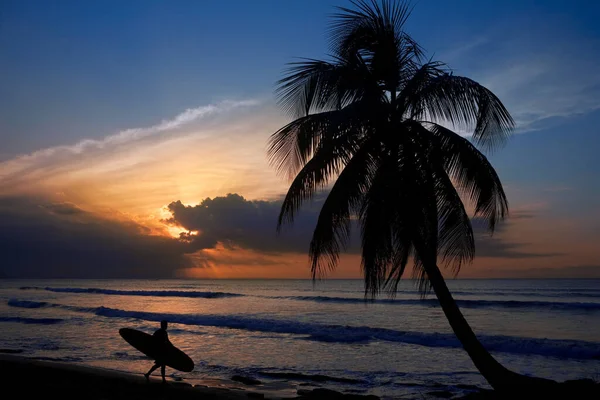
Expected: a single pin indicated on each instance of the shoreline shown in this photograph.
(278, 341)
(35, 378)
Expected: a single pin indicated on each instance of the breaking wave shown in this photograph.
(26, 303)
(431, 302)
(576, 349)
(465, 303)
(149, 293)
(23, 320)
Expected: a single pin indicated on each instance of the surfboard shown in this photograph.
(147, 344)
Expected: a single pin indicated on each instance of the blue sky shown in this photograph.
(72, 71)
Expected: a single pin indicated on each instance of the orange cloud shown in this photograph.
(238, 263)
(140, 170)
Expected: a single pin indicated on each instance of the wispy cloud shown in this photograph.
(541, 75)
(203, 151)
(538, 90)
(187, 117)
(455, 53)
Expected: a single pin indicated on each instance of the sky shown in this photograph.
(127, 123)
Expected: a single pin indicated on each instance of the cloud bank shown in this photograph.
(232, 220)
(42, 239)
(45, 239)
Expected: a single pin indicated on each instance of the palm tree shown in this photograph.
(368, 122)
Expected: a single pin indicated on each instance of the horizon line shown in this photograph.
(284, 279)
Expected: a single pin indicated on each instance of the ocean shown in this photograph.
(293, 334)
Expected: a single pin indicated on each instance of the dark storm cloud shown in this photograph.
(235, 221)
(63, 208)
(40, 239)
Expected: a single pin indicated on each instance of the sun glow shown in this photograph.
(172, 230)
(176, 231)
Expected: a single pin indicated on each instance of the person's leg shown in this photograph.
(147, 374)
(162, 372)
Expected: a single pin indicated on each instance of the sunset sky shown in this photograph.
(125, 123)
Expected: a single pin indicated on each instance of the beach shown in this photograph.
(41, 379)
(34, 379)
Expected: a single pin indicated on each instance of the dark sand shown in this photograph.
(33, 379)
(28, 378)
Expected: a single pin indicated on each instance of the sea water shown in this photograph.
(293, 334)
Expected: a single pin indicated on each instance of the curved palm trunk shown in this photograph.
(499, 377)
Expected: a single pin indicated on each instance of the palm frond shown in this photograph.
(398, 211)
(410, 56)
(456, 243)
(378, 221)
(307, 85)
(425, 215)
(290, 148)
(419, 275)
(374, 31)
(315, 86)
(454, 233)
(409, 104)
(462, 102)
(332, 231)
(403, 250)
(473, 174)
(366, 24)
(332, 154)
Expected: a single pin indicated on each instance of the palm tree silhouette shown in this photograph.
(369, 122)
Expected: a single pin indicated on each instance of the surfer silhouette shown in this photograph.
(159, 348)
(162, 337)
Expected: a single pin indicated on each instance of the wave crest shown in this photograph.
(26, 303)
(464, 303)
(576, 349)
(350, 334)
(149, 293)
(23, 320)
